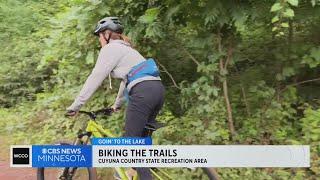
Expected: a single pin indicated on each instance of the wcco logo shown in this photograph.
(20, 156)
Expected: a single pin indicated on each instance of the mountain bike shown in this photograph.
(94, 129)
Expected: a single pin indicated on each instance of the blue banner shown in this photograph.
(122, 141)
(61, 156)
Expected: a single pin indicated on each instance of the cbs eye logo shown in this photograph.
(20, 156)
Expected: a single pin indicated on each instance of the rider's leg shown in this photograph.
(146, 99)
(136, 119)
(152, 119)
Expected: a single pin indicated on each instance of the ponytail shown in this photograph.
(126, 39)
(123, 37)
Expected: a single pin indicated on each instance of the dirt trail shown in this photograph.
(8, 173)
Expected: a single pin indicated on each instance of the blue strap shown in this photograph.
(126, 94)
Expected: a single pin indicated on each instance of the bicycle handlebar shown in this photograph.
(94, 114)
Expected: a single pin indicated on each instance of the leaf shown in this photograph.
(274, 29)
(288, 71)
(239, 18)
(171, 12)
(315, 53)
(275, 19)
(150, 15)
(276, 7)
(278, 77)
(293, 2)
(285, 25)
(288, 13)
(90, 58)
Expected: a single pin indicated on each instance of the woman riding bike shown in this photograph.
(144, 89)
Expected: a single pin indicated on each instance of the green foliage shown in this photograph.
(311, 135)
(271, 72)
(312, 59)
(293, 2)
(21, 51)
(310, 124)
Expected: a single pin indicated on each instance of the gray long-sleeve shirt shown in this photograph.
(116, 58)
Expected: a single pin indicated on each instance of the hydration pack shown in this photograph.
(145, 68)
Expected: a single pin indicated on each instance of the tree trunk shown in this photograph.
(223, 68)
(245, 100)
(228, 105)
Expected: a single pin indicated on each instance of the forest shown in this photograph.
(235, 72)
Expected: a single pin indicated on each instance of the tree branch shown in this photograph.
(179, 46)
(245, 99)
(298, 83)
(170, 75)
(191, 56)
(267, 105)
(228, 58)
(243, 93)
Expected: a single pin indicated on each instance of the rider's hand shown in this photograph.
(71, 113)
(115, 109)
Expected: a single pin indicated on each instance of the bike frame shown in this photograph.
(93, 129)
(97, 130)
